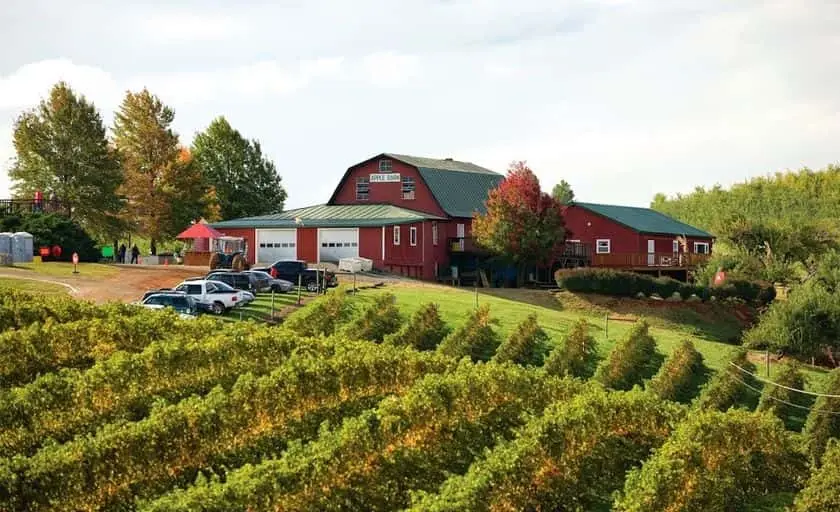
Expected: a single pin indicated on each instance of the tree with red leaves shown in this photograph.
(522, 224)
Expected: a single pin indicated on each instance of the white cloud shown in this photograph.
(389, 69)
(182, 26)
(31, 82)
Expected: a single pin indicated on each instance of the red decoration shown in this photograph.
(56, 251)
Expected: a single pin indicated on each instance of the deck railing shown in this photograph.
(463, 244)
(652, 260)
(22, 206)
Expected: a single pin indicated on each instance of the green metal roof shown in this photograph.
(644, 220)
(335, 216)
(459, 187)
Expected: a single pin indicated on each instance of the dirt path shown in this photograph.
(126, 285)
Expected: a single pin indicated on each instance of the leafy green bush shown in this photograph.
(476, 338)
(716, 461)
(324, 316)
(630, 284)
(633, 359)
(821, 492)
(678, 378)
(576, 356)
(376, 321)
(525, 346)
(727, 387)
(824, 419)
(424, 331)
(806, 324)
(781, 402)
(49, 229)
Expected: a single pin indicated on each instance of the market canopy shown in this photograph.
(200, 230)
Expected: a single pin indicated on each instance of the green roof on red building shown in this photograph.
(644, 220)
(332, 216)
(460, 188)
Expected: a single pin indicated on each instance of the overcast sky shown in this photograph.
(623, 99)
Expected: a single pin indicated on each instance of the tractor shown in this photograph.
(229, 252)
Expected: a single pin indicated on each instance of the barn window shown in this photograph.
(701, 247)
(362, 189)
(408, 188)
(676, 245)
(602, 246)
(385, 166)
(412, 236)
(434, 233)
(396, 235)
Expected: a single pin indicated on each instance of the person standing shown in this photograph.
(121, 254)
(135, 254)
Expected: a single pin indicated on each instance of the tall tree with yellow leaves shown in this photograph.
(163, 186)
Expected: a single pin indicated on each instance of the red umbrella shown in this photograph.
(200, 230)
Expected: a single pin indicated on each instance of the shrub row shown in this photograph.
(630, 284)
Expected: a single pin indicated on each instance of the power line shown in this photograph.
(767, 381)
(771, 397)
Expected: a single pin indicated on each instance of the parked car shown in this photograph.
(310, 278)
(183, 304)
(271, 284)
(238, 280)
(219, 296)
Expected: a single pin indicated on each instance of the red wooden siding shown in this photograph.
(370, 245)
(249, 235)
(388, 193)
(307, 244)
(404, 258)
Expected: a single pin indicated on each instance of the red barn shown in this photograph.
(407, 214)
(632, 238)
(413, 216)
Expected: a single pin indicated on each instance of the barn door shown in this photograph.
(651, 252)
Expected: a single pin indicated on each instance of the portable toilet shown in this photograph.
(22, 247)
(6, 243)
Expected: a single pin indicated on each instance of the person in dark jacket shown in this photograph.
(135, 254)
(121, 254)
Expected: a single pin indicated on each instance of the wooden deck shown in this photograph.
(651, 261)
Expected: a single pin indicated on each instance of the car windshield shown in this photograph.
(223, 286)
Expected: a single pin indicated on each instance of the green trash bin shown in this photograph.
(108, 252)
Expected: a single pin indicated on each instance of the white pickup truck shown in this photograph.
(219, 296)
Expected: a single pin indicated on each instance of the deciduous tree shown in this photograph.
(563, 192)
(523, 224)
(246, 182)
(163, 186)
(61, 147)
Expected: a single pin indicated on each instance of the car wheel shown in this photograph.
(218, 308)
(312, 286)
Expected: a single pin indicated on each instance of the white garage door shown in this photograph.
(276, 244)
(338, 243)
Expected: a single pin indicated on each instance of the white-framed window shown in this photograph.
(396, 235)
(362, 189)
(386, 165)
(701, 247)
(434, 232)
(602, 246)
(676, 245)
(412, 236)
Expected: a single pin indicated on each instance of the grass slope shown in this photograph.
(556, 314)
(65, 269)
(26, 285)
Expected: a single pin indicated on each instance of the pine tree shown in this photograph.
(246, 182)
(62, 148)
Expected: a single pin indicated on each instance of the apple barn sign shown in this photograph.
(391, 177)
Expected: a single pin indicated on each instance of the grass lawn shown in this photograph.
(260, 309)
(27, 285)
(65, 269)
(556, 317)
